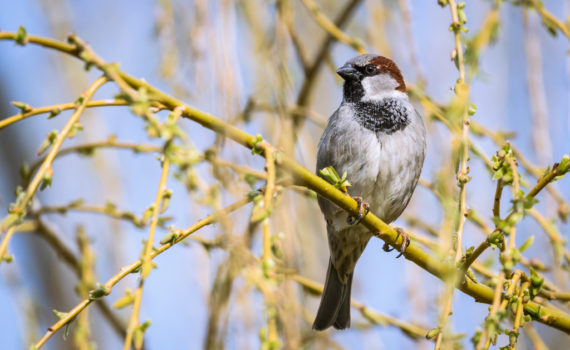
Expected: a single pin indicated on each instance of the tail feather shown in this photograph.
(334, 309)
(343, 316)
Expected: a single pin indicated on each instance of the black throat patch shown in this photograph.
(387, 116)
(353, 91)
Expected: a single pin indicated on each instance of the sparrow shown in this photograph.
(379, 139)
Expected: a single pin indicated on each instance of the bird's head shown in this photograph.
(371, 78)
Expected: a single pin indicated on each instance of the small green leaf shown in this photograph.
(526, 244)
(54, 112)
(76, 203)
(48, 142)
(25, 171)
(256, 149)
(549, 25)
(21, 36)
(169, 238)
(331, 175)
(59, 314)
(148, 212)
(166, 195)
(472, 109)
(125, 300)
(138, 336)
(536, 283)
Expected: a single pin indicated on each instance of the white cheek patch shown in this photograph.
(380, 86)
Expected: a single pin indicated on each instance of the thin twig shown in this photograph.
(57, 108)
(19, 210)
(516, 196)
(146, 256)
(519, 313)
(497, 200)
(548, 17)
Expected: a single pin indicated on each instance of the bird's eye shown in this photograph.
(371, 69)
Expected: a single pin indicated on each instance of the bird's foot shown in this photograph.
(363, 209)
(403, 246)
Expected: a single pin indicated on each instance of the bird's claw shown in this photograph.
(403, 246)
(363, 209)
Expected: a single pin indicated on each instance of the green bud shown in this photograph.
(564, 165)
(54, 112)
(472, 109)
(46, 179)
(8, 258)
(99, 292)
(433, 333)
(22, 106)
(79, 101)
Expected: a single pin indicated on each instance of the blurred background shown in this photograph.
(266, 67)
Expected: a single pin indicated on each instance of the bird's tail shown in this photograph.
(334, 309)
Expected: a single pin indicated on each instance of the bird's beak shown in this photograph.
(348, 72)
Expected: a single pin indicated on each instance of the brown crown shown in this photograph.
(386, 65)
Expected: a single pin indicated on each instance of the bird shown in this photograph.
(378, 139)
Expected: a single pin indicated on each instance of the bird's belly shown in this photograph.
(384, 172)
